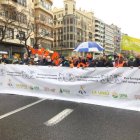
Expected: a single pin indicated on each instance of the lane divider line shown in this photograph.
(20, 109)
(59, 117)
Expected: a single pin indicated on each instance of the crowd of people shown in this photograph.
(117, 60)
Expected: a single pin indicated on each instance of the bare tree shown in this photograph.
(33, 28)
(40, 30)
(26, 30)
(23, 23)
(8, 16)
(20, 21)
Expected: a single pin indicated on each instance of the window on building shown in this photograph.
(55, 18)
(64, 21)
(10, 33)
(54, 22)
(90, 35)
(45, 4)
(73, 8)
(71, 21)
(1, 31)
(66, 7)
(71, 45)
(67, 36)
(64, 37)
(71, 36)
(67, 21)
(71, 28)
(64, 29)
(32, 41)
(22, 18)
(67, 45)
(6, 14)
(21, 35)
(22, 2)
(61, 37)
(68, 29)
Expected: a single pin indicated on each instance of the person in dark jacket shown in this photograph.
(64, 62)
(15, 60)
(5, 59)
(100, 62)
(137, 61)
(109, 61)
(131, 61)
(48, 61)
(25, 60)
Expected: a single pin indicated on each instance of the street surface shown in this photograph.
(29, 118)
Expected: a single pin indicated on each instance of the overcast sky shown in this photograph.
(123, 13)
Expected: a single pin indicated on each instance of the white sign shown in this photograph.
(116, 87)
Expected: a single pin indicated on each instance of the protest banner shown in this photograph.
(115, 87)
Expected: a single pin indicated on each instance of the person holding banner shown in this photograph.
(131, 61)
(137, 61)
(25, 60)
(4, 59)
(120, 62)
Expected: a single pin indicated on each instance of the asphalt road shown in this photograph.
(86, 122)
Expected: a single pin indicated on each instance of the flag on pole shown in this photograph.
(130, 43)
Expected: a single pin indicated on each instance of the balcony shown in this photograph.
(97, 37)
(79, 27)
(97, 24)
(13, 3)
(41, 7)
(51, 1)
(46, 38)
(44, 23)
(9, 3)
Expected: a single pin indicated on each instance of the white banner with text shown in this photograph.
(114, 87)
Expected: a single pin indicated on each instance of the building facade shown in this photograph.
(25, 23)
(99, 31)
(71, 27)
(43, 19)
(13, 21)
(109, 40)
(108, 36)
(117, 38)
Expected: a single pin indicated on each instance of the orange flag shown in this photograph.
(42, 49)
(46, 53)
(34, 51)
(39, 52)
(55, 55)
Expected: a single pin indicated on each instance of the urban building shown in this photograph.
(13, 20)
(108, 36)
(33, 23)
(43, 34)
(109, 40)
(71, 27)
(117, 38)
(99, 31)
(25, 23)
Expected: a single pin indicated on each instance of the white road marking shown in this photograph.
(20, 109)
(59, 117)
